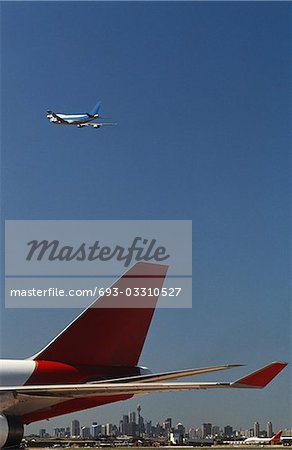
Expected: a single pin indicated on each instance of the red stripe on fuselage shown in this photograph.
(52, 372)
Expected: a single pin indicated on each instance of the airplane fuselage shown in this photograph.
(30, 372)
(71, 119)
(79, 120)
(257, 441)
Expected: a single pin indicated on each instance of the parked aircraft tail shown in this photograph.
(277, 436)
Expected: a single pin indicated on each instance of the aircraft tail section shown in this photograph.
(96, 108)
(113, 329)
(277, 437)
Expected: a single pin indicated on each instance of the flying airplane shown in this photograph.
(261, 441)
(94, 360)
(79, 120)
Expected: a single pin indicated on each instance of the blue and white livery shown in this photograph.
(80, 120)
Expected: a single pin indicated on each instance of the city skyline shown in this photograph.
(135, 425)
(162, 428)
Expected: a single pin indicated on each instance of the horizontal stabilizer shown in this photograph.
(261, 377)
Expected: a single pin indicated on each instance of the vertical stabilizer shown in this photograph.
(96, 108)
(113, 329)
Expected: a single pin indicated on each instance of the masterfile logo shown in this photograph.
(58, 263)
(139, 250)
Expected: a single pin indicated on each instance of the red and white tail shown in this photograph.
(277, 436)
(113, 329)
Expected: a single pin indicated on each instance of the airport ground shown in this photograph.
(185, 447)
(221, 447)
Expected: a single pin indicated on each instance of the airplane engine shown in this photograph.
(11, 431)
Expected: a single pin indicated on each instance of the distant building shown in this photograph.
(59, 432)
(167, 426)
(138, 430)
(125, 425)
(108, 429)
(287, 432)
(270, 429)
(215, 431)
(132, 416)
(192, 433)
(85, 433)
(256, 429)
(94, 430)
(133, 428)
(75, 428)
(42, 433)
(177, 435)
(206, 429)
(263, 434)
(180, 430)
(148, 428)
(228, 431)
(157, 430)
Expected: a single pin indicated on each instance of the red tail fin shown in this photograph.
(277, 436)
(113, 329)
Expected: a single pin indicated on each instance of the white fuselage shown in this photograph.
(14, 372)
(256, 440)
(70, 119)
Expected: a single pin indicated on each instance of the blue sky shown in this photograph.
(201, 93)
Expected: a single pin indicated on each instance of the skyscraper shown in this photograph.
(149, 428)
(75, 428)
(215, 431)
(125, 425)
(108, 429)
(256, 428)
(85, 432)
(269, 429)
(228, 431)
(94, 430)
(206, 429)
(42, 433)
(133, 417)
(167, 425)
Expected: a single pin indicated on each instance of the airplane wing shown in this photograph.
(57, 117)
(96, 125)
(164, 376)
(33, 402)
(258, 379)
